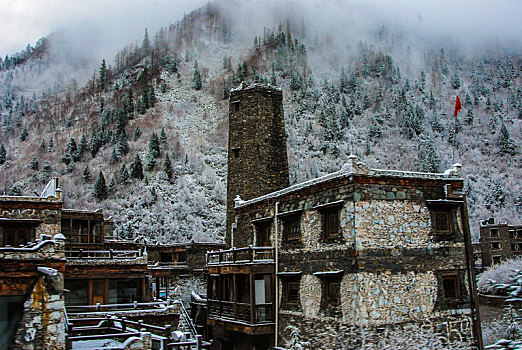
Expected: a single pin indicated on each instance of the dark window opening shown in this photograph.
(235, 106)
(166, 257)
(496, 260)
(291, 228)
(495, 245)
(243, 288)
(179, 257)
(493, 232)
(441, 222)
(330, 218)
(450, 287)
(236, 152)
(291, 291)
(228, 288)
(263, 234)
(78, 292)
(16, 235)
(514, 246)
(213, 284)
(333, 297)
(512, 234)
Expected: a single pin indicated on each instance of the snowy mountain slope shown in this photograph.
(391, 105)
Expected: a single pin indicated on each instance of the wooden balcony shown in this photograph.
(246, 255)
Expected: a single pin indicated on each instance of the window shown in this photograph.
(496, 260)
(236, 152)
(512, 234)
(332, 289)
(291, 228)
(495, 245)
(166, 257)
(263, 234)
(514, 246)
(493, 232)
(441, 222)
(331, 223)
(291, 290)
(450, 286)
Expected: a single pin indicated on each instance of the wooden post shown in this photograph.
(251, 251)
(168, 334)
(123, 324)
(111, 254)
(80, 254)
(251, 298)
(199, 342)
(234, 297)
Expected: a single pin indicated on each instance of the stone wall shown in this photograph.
(46, 213)
(43, 322)
(384, 298)
(257, 158)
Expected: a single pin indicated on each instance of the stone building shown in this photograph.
(32, 264)
(358, 249)
(499, 242)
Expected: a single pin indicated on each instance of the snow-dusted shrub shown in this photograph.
(503, 273)
(504, 333)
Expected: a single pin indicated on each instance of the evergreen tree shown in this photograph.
(470, 115)
(51, 145)
(86, 175)
(102, 76)
(150, 160)
(505, 143)
(46, 169)
(428, 160)
(72, 149)
(123, 146)
(33, 164)
(167, 167)
(154, 145)
(66, 158)
(3, 154)
(83, 145)
(455, 81)
(163, 137)
(136, 168)
(137, 133)
(100, 187)
(226, 90)
(112, 185)
(196, 79)
(124, 174)
(145, 45)
(24, 134)
(43, 146)
(114, 157)
(151, 96)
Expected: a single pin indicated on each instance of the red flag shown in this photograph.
(458, 107)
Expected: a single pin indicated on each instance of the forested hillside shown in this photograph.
(144, 137)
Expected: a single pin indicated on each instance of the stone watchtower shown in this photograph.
(257, 158)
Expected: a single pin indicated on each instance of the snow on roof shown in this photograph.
(354, 167)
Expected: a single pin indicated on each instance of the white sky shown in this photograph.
(108, 25)
(23, 22)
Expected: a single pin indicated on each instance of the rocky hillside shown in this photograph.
(152, 122)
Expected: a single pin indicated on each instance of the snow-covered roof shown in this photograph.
(354, 167)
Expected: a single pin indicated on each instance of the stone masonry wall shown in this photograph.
(257, 158)
(381, 223)
(43, 322)
(383, 298)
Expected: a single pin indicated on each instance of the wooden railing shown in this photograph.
(241, 255)
(110, 254)
(113, 327)
(229, 310)
(121, 307)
